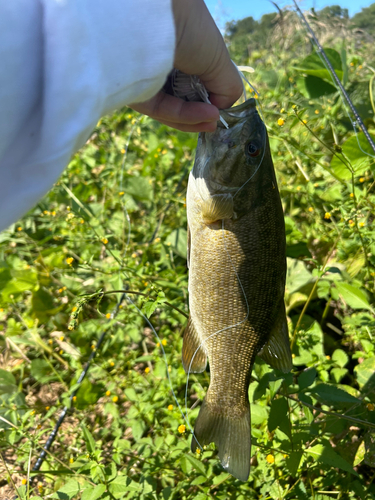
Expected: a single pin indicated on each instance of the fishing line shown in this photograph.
(337, 83)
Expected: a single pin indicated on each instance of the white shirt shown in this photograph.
(63, 64)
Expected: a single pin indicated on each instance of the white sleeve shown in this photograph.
(63, 64)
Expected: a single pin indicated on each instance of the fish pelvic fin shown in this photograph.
(194, 358)
(276, 351)
(232, 436)
(217, 207)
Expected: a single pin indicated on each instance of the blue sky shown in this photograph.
(226, 10)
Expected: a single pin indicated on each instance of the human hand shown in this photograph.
(200, 50)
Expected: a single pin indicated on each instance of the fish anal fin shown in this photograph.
(194, 358)
(232, 436)
(276, 351)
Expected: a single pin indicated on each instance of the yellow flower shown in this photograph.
(108, 393)
(157, 344)
(280, 122)
(304, 121)
(74, 398)
(370, 407)
(157, 240)
(361, 179)
(71, 460)
(327, 215)
(282, 110)
(93, 347)
(50, 341)
(134, 255)
(351, 195)
(108, 315)
(69, 260)
(361, 224)
(53, 213)
(181, 429)
(170, 407)
(112, 363)
(351, 64)
(147, 369)
(32, 413)
(294, 106)
(316, 185)
(328, 357)
(122, 151)
(74, 308)
(311, 209)
(317, 111)
(115, 399)
(105, 241)
(360, 66)
(129, 116)
(24, 481)
(198, 451)
(121, 193)
(47, 408)
(270, 459)
(298, 188)
(61, 338)
(164, 341)
(19, 228)
(61, 352)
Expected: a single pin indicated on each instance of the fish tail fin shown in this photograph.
(232, 436)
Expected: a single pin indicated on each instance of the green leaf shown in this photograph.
(123, 484)
(93, 492)
(313, 65)
(6, 378)
(278, 416)
(340, 357)
(199, 480)
(68, 491)
(313, 87)
(332, 394)
(327, 456)
(89, 440)
(306, 378)
(197, 464)
(149, 307)
(365, 373)
(41, 371)
(259, 414)
(353, 296)
(177, 240)
(139, 187)
(297, 276)
(358, 157)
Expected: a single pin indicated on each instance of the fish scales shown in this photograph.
(237, 270)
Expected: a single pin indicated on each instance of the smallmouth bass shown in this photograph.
(237, 268)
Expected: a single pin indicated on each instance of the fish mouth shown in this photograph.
(232, 115)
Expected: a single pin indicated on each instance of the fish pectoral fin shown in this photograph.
(194, 358)
(232, 436)
(217, 207)
(276, 351)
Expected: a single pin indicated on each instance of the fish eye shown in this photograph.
(252, 150)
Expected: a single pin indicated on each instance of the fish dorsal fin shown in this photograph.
(191, 345)
(276, 351)
(217, 207)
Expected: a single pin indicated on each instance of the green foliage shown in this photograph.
(104, 229)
